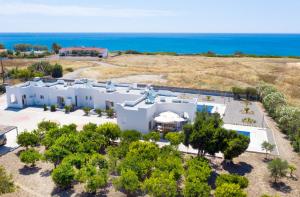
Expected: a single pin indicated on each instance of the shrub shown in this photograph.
(57, 71)
(99, 112)
(63, 175)
(26, 139)
(53, 108)
(45, 107)
(196, 188)
(153, 135)
(68, 108)
(86, 110)
(30, 157)
(129, 136)
(6, 182)
(110, 113)
(229, 190)
(69, 69)
(128, 181)
(232, 178)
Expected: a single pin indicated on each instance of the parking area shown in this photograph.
(8, 139)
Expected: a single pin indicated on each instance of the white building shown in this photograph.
(142, 109)
(84, 51)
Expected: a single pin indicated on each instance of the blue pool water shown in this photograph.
(245, 133)
(182, 43)
(207, 108)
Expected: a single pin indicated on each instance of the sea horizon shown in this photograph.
(275, 44)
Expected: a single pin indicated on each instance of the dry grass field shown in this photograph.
(189, 71)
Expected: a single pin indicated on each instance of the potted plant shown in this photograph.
(45, 107)
(99, 112)
(53, 108)
(86, 110)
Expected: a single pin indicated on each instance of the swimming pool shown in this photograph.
(245, 133)
(207, 108)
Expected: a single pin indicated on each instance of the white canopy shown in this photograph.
(168, 117)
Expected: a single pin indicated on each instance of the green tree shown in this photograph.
(57, 71)
(153, 136)
(27, 139)
(160, 184)
(268, 147)
(6, 182)
(292, 169)
(128, 181)
(236, 145)
(196, 188)
(229, 190)
(55, 48)
(174, 138)
(110, 130)
(232, 178)
(30, 156)
(63, 175)
(170, 164)
(129, 136)
(278, 168)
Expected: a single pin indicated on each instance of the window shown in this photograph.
(13, 99)
(41, 96)
(90, 98)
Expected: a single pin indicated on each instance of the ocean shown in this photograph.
(182, 43)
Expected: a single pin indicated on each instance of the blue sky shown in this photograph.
(203, 16)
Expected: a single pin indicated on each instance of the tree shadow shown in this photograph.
(29, 170)
(212, 179)
(240, 168)
(46, 173)
(281, 186)
(62, 192)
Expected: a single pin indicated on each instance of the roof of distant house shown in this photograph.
(100, 50)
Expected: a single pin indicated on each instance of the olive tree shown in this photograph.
(278, 168)
(30, 156)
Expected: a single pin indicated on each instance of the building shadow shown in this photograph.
(240, 168)
(14, 109)
(29, 170)
(281, 186)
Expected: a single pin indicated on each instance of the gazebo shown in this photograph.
(169, 121)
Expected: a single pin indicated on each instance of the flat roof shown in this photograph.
(5, 129)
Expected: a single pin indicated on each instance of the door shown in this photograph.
(24, 100)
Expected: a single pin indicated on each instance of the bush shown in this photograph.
(6, 182)
(69, 69)
(53, 108)
(68, 108)
(57, 71)
(129, 136)
(196, 188)
(99, 112)
(229, 190)
(63, 175)
(30, 157)
(45, 107)
(153, 135)
(232, 178)
(86, 110)
(27, 139)
(128, 181)
(110, 113)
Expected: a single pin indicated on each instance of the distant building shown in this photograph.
(84, 51)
